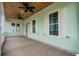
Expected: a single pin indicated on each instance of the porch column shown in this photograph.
(2, 21)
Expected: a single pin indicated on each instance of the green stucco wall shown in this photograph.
(71, 21)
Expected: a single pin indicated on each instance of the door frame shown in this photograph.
(27, 28)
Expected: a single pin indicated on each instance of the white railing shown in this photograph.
(2, 40)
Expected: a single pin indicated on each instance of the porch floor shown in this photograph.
(20, 46)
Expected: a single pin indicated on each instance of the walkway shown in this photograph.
(20, 46)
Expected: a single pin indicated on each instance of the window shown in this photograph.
(33, 26)
(18, 25)
(53, 23)
(13, 24)
(18, 28)
(13, 27)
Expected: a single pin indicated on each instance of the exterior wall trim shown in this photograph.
(47, 23)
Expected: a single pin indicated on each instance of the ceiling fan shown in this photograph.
(27, 7)
(19, 16)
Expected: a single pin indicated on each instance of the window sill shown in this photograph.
(54, 36)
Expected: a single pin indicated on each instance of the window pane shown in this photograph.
(18, 25)
(56, 29)
(55, 19)
(53, 24)
(18, 28)
(51, 19)
(33, 26)
(13, 24)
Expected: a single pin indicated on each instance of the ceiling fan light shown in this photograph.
(22, 11)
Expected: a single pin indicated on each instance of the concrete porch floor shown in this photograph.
(20, 46)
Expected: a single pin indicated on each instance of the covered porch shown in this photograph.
(22, 46)
(50, 29)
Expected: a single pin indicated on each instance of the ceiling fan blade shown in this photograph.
(22, 7)
(31, 10)
(25, 11)
(19, 17)
(32, 7)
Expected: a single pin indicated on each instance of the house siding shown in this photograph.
(68, 26)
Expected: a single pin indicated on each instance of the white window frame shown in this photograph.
(53, 25)
(47, 23)
(35, 26)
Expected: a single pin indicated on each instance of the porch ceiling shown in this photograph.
(11, 9)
